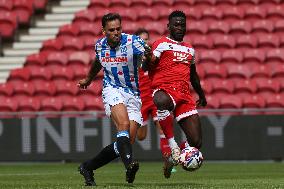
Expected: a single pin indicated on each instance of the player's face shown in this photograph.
(177, 28)
(112, 31)
(145, 37)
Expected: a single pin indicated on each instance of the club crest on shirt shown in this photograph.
(123, 50)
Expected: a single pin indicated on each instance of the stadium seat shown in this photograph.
(64, 73)
(232, 55)
(254, 55)
(51, 45)
(211, 13)
(164, 13)
(267, 85)
(230, 102)
(210, 56)
(218, 28)
(57, 58)
(236, 72)
(255, 13)
(51, 104)
(277, 71)
(119, 3)
(23, 88)
(212, 102)
(246, 3)
(156, 28)
(89, 29)
(204, 3)
(19, 74)
(276, 101)
(147, 15)
(206, 86)
(192, 12)
(222, 87)
(232, 13)
(79, 59)
(43, 89)
(72, 45)
(7, 104)
(275, 55)
(130, 27)
(275, 13)
(260, 71)
(66, 88)
(246, 41)
(8, 24)
(226, 3)
(72, 104)
(137, 4)
(215, 71)
(245, 86)
(95, 4)
(40, 5)
(27, 104)
(262, 27)
(93, 103)
(224, 42)
(269, 3)
(240, 27)
(6, 90)
(35, 60)
(279, 27)
(253, 101)
(84, 17)
(204, 42)
(127, 14)
(80, 72)
(68, 30)
(24, 10)
(268, 41)
(6, 5)
(40, 73)
(197, 27)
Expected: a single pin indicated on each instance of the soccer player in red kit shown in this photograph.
(172, 70)
(149, 108)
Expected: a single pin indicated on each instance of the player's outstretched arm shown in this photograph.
(94, 70)
(195, 82)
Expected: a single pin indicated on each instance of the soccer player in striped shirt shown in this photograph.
(119, 55)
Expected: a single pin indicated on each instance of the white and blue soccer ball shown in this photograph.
(190, 158)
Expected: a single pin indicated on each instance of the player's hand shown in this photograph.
(84, 83)
(148, 50)
(201, 102)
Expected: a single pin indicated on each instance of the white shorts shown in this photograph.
(113, 96)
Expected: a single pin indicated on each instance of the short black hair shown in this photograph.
(176, 13)
(110, 17)
(139, 31)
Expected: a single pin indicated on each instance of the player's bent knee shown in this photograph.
(141, 137)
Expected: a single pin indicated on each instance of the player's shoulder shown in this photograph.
(99, 43)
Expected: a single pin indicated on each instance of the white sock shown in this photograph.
(172, 143)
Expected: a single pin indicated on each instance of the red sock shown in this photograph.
(183, 145)
(166, 122)
(164, 146)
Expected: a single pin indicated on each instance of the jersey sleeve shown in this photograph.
(138, 45)
(192, 52)
(157, 49)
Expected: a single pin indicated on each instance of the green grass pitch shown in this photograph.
(210, 175)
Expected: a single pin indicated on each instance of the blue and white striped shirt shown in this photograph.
(120, 64)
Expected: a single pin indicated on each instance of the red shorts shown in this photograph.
(148, 108)
(184, 104)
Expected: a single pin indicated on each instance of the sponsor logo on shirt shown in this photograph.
(181, 57)
(115, 59)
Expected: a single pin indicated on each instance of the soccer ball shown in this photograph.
(190, 159)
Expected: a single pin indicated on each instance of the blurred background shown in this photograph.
(46, 46)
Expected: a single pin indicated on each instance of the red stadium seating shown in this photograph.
(68, 30)
(89, 29)
(73, 44)
(245, 87)
(6, 5)
(140, 3)
(197, 27)
(40, 73)
(119, 3)
(24, 10)
(255, 13)
(246, 41)
(210, 56)
(51, 45)
(80, 72)
(240, 27)
(275, 55)
(276, 101)
(72, 104)
(19, 74)
(93, 103)
(98, 3)
(7, 104)
(277, 71)
(204, 42)
(6, 90)
(35, 60)
(84, 17)
(155, 28)
(232, 13)
(254, 55)
(66, 88)
(260, 71)
(27, 104)
(218, 28)
(206, 86)
(57, 58)
(224, 42)
(267, 85)
(44, 89)
(222, 87)
(8, 24)
(22, 88)
(262, 27)
(211, 13)
(238, 72)
(275, 13)
(226, 2)
(40, 4)
(204, 2)
(270, 40)
(215, 71)
(253, 101)
(51, 104)
(212, 102)
(76, 59)
(64, 73)
(232, 55)
(230, 101)
(147, 15)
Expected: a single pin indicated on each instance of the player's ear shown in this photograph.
(103, 31)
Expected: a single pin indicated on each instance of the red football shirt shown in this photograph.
(174, 64)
